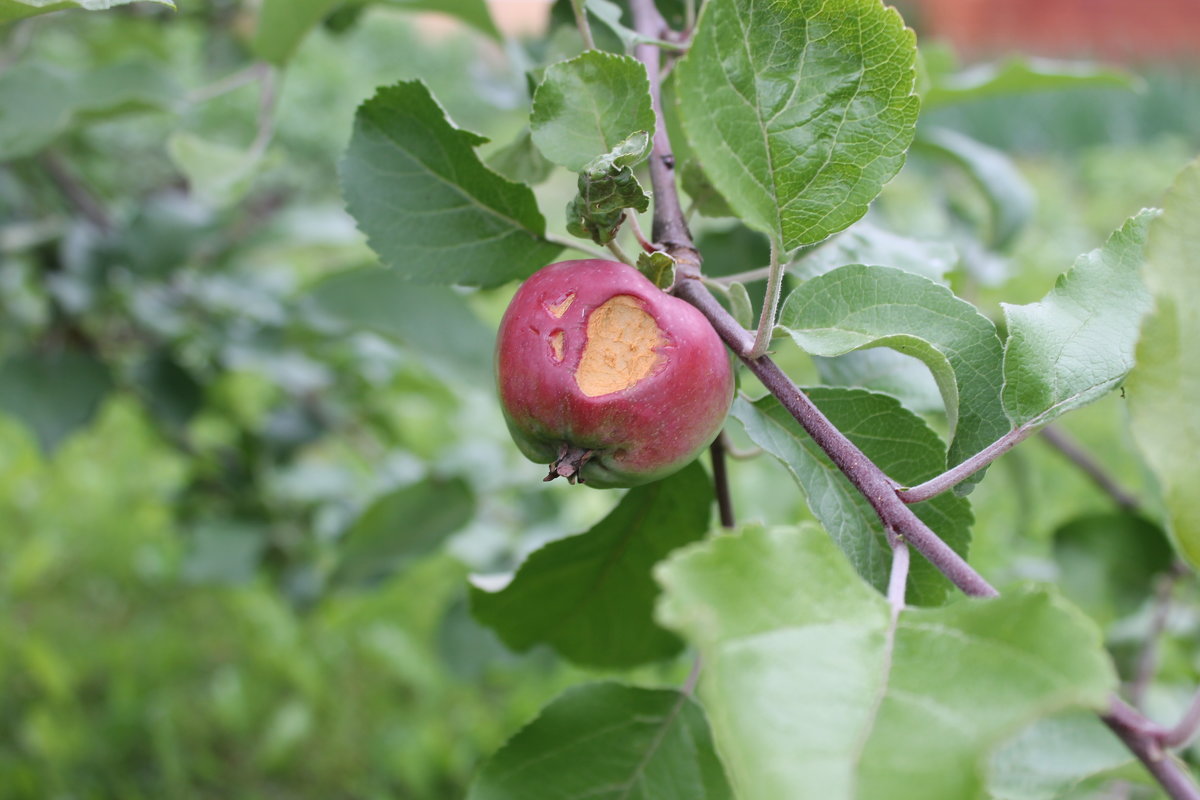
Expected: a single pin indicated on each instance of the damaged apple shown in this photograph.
(606, 378)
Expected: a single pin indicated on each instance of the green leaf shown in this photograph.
(521, 161)
(430, 208)
(610, 14)
(171, 393)
(589, 106)
(434, 321)
(799, 111)
(1164, 386)
(1020, 75)
(19, 9)
(1108, 562)
(883, 370)
(590, 596)
(607, 187)
(400, 527)
(216, 172)
(224, 551)
(864, 243)
(53, 394)
(1009, 197)
(855, 307)
(1053, 755)
(1076, 344)
(658, 267)
(899, 442)
(816, 690)
(39, 103)
(283, 24)
(609, 742)
(704, 195)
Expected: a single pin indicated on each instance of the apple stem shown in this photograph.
(569, 463)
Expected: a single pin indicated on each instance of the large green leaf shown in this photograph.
(856, 307)
(590, 596)
(430, 208)
(589, 105)
(815, 689)
(898, 441)
(799, 111)
(1076, 344)
(609, 742)
(53, 393)
(434, 321)
(283, 24)
(1164, 388)
(19, 9)
(401, 526)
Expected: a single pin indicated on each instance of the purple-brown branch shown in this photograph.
(1143, 737)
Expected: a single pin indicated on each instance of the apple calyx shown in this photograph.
(569, 464)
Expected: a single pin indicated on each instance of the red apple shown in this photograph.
(606, 378)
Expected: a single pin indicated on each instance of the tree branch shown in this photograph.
(1074, 453)
(1141, 736)
(960, 472)
(721, 481)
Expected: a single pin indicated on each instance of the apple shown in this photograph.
(606, 378)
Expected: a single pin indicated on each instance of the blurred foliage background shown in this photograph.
(240, 493)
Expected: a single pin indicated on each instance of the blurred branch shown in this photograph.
(229, 83)
(1069, 448)
(77, 193)
(721, 481)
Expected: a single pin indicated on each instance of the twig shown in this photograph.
(689, 684)
(229, 83)
(737, 454)
(1140, 735)
(635, 228)
(749, 276)
(898, 579)
(572, 244)
(766, 318)
(721, 481)
(1183, 732)
(267, 100)
(76, 192)
(960, 472)
(1074, 453)
(620, 253)
(585, 30)
(1147, 662)
(1143, 739)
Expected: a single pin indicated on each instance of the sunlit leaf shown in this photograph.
(799, 112)
(815, 689)
(1164, 387)
(590, 105)
(608, 742)
(429, 206)
(1076, 344)
(590, 596)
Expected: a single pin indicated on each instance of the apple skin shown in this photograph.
(638, 433)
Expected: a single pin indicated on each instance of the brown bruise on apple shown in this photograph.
(556, 310)
(622, 348)
(556, 346)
